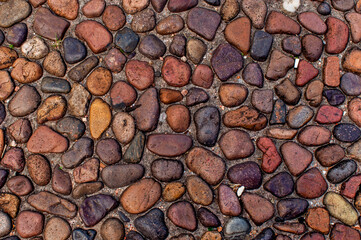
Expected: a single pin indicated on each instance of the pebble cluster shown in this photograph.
(180, 119)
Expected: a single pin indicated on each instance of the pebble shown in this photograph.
(170, 25)
(351, 84)
(291, 208)
(57, 229)
(207, 121)
(312, 135)
(48, 25)
(53, 108)
(94, 34)
(3, 177)
(341, 171)
(226, 61)
(126, 40)
(146, 116)
(353, 110)
(81, 149)
(279, 65)
(346, 132)
(68, 9)
(196, 49)
(167, 170)
(281, 133)
(2, 37)
(271, 158)
(181, 6)
(245, 117)
(123, 127)
(7, 85)
(232, 94)
(93, 209)
(178, 118)
(7, 57)
(292, 45)
(207, 218)
(6, 224)
(78, 101)
(87, 172)
(209, 166)
(291, 227)
(13, 12)
(109, 151)
(139, 74)
(20, 185)
(196, 96)
(247, 174)
(99, 81)
(312, 47)
(229, 10)
(336, 36)
(122, 95)
(34, 48)
(340, 231)
(99, 117)
(280, 185)
(133, 235)
(199, 191)
(330, 154)
(61, 181)
(265, 234)
(112, 228)
(158, 5)
(25, 71)
(331, 71)
(340, 208)
(253, 75)
(296, 157)
(113, 17)
(2, 118)
(314, 93)
(80, 71)
(169, 145)
(278, 23)
(152, 47)
(168, 96)
(334, 96)
(258, 208)
(132, 7)
(175, 72)
(152, 225)
(54, 64)
(173, 191)
(13, 159)
(311, 184)
(81, 234)
(17, 34)
(115, 60)
(262, 100)
(354, 21)
(182, 214)
(119, 175)
(318, 219)
(20, 130)
(328, 114)
(354, 150)
(178, 46)
(143, 21)
(29, 224)
(236, 144)
(84, 189)
(312, 22)
(214, 235)
(324, 8)
(203, 22)
(299, 116)
(238, 33)
(343, 5)
(203, 76)
(93, 8)
(350, 187)
(237, 227)
(39, 169)
(72, 127)
(261, 46)
(256, 11)
(135, 200)
(74, 50)
(134, 152)
(9, 204)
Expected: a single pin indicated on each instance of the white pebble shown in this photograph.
(240, 190)
(291, 5)
(297, 61)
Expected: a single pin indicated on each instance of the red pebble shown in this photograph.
(271, 158)
(351, 186)
(328, 114)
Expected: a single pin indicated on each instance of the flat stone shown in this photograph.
(330, 154)
(196, 49)
(299, 116)
(340, 231)
(178, 45)
(54, 64)
(158, 5)
(13, 11)
(354, 150)
(318, 219)
(237, 227)
(353, 110)
(354, 21)
(334, 96)
(99, 117)
(109, 151)
(341, 171)
(50, 203)
(53, 108)
(246, 117)
(207, 121)
(328, 115)
(143, 21)
(17, 34)
(81, 234)
(113, 17)
(280, 185)
(324, 8)
(126, 39)
(199, 191)
(93, 209)
(9, 204)
(238, 33)
(167, 170)
(169, 25)
(78, 101)
(116, 176)
(93, 8)
(232, 94)
(336, 36)
(291, 208)
(115, 60)
(278, 23)
(312, 47)
(196, 96)
(203, 76)
(87, 172)
(169, 145)
(312, 22)
(296, 165)
(13, 159)
(48, 25)
(134, 152)
(81, 149)
(97, 39)
(305, 73)
(85, 189)
(7, 85)
(99, 81)
(57, 228)
(314, 93)
(343, 5)
(258, 208)
(29, 224)
(25, 71)
(34, 48)
(350, 187)
(262, 100)
(331, 71)
(292, 45)
(340, 208)
(291, 227)
(313, 135)
(256, 11)
(311, 184)
(178, 118)
(279, 65)
(265, 234)
(253, 75)
(147, 114)
(122, 95)
(261, 46)
(68, 9)
(351, 84)
(6, 224)
(61, 181)
(247, 174)
(346, 132)
(152, 47)
(181, 6)
(72, 127)
(175, 72)
(182, 214)
(45, 140)
(7, 57)
(206, 164)
(152, 225)
(20, 130)
(236, 144)
(173, 191)
(20, 185)
(135, 200)
(74, 50)
(207, 218)
(132, 7)
(271, 158)
(39, 169)
(281, 133)
(80, 71)
(139, 74)
(203, 22)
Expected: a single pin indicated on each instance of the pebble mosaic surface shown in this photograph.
(180, 119)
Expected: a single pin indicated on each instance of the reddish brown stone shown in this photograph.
(328, 115)
(45, 140)
(305, 73)
(343, 232)
(312, 22)
(64, 8)
(232, 94)
(354, 110)
(238, 33)
(291, 227)
(87, 172)
(336, 36)
(37, 3)
(7, 57)
(329, 154)
(169, 96)
(236, 144)
(351, 60)
(354, 20)
(115, 60)
(228, 201)
(311, 184)
(278, 23)
(13, 159)
(93, 8)
(271, 158)
(96, 35)
(178, 118)
(29, 224)
(182, 214)
(331, 71)
(258, 208)
(318, 219)
(314, 135)
(295, 157)
(203, 76)
(122, 95)
(169, 145)
(245, 117)
(175, 72)
(139, 74)
(351, 186)
(113, 17)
